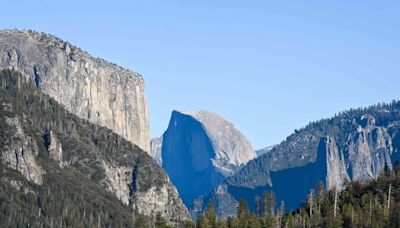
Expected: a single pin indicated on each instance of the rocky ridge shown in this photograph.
(354, 145)
(264, 150)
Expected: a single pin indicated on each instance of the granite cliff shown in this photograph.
(201, 149)
(354, 145)
(91, 88)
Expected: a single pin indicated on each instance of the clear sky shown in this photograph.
(269, 67)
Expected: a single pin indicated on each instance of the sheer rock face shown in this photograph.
(231, 147)
(201, 149)
(369, 150)
(20, 151)
(336, 172)
(355, 145)
(91, 88)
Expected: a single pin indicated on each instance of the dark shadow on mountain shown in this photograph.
(290, 185)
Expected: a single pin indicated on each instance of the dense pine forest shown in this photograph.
(70, 196)
(361, 204)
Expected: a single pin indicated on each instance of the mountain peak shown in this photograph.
(52, 40)
(199, 150)
(230, 145)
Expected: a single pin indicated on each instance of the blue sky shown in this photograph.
(267, 66)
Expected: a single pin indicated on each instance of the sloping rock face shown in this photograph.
(231, 147)
(201, 149)
(91, 88)
(164, 199)
(37, 132)
(54, 147)
(20, 152)
(355, 145)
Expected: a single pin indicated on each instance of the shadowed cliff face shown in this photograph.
(187, 153)
(199, 150)
(289, 185)
(355, 145)
(91, 88)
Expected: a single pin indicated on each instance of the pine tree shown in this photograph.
(202, 222)
(281, 214)
(269, 203)
(242, 208)
(160, 221)
(242, 213)
(140, 221)
(211, 215)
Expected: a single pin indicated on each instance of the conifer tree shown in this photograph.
(211, 215)
(160, 221)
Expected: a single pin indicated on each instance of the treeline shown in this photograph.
(373, 203)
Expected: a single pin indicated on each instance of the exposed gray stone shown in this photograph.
(336, 172)
(156, 149)
(353, 146)
(117, 180)
(369, 150)
(91, 88)
(164, 200)
(201, 149)
(54, 148)
(20, 151)
(232, 149)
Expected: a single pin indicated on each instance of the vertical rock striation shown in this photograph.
(201, 149)
(355, 145)
(369, 150)
(91, 88)
(336, 171)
